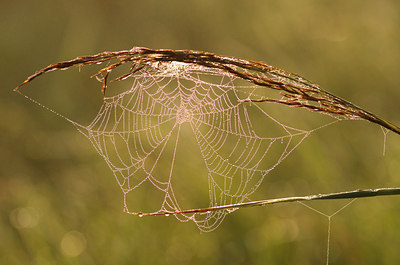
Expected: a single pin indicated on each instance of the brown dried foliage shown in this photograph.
(296, 91)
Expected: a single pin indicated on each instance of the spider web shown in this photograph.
(139, 129)
(142, 132)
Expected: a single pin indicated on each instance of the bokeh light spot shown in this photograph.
(73, 243)
(24, 217)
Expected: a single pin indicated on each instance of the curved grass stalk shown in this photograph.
(296, 91)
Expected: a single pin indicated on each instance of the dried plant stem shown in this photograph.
(296, 91)
(354, 194)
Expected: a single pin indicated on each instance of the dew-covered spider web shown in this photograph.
(138, 129)
(194, 121)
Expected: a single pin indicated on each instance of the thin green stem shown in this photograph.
(328, 196)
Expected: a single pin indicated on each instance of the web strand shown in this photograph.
(329, 217)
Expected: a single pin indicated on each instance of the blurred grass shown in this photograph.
(52, 182)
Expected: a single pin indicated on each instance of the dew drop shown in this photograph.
(231, 210)
(167, 214)
(140, 215)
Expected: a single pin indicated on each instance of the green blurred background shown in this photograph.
(60, 203)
